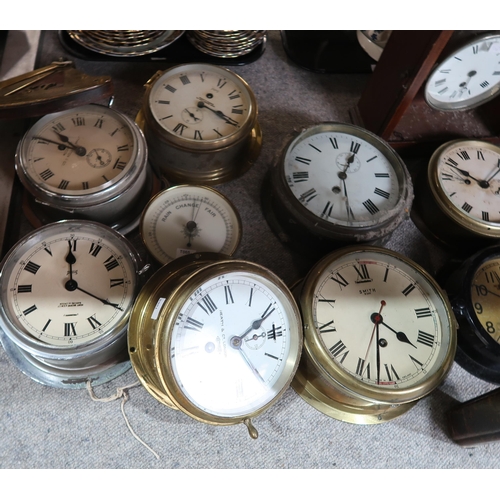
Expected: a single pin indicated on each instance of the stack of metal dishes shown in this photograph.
(125, 43)
(226, 43)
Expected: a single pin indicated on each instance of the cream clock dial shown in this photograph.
(468, 77)
(187, 219)
(88, 161)
(380, 329)
(67, 290)
(219, 339)
(458, 200)
(200, 122)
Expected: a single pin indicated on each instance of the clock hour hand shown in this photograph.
(192, 115)
(80, 150)
(220, 114)
(401, 336)
(70, 259)
(483, 184)
(256, 324)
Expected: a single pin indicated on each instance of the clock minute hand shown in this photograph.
(466, 174)
(220, 114)
(494, 173)
(104, 301)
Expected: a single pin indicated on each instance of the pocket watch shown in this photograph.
(187, 219)
(468, 77)
(88, 162)
(458, 200)
(336, 184)
(474, 291)
(66, 292)
(217, 338)
(200, 123)
(379, 334)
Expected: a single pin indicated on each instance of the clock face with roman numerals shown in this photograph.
(379, 319)
(468, 77)
(200, 103)
(344, 176)
(468, 177)
(235, 344)
(69, 283)
(80, 151)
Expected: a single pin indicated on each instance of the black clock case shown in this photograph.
(476, 352)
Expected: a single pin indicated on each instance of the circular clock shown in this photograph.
(87, 162)
(379, 334)
(188, 219)
(66, 292)
(200, 123)
(474, 291)
(468, 77)
(335, 184)
(216, 338)
(457, 200)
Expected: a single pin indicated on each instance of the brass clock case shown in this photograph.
(154, 318)
(193, 160)
(328, 386)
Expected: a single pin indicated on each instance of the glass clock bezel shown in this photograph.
(348, 384)
(474, 101)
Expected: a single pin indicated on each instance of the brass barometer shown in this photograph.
(217, 338)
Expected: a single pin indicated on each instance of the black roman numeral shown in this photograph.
(370, 206)
(408, 290)
(300, 176)
(192, 324)
(327, 327)
(46, 174)
(116, 282)
(228, 294)
(69, 329)
(31, 267)
(381, 192)
(340, 280)
(425, 338)
(423, 312)
(24, 288)
(355, 147)
(110, 263)
(94, 323)
(338, 349)
(209, 304)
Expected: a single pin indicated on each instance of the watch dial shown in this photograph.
(380, 320)
(79, 151)
(232, 344)
(189, 219)
(468, 77)
(200, 102)
(485, 296)
(342, 178)
(70, 287)
(468, 173)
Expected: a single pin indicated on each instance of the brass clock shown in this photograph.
(457, 201)
(67, 290)
(200, 123)
(379, 335)
(474, 291)
(88, 162)
(217, 338)
(336, 184)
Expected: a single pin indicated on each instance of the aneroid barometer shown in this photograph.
(379, 334)
(217, 338)
(200, 123)
(66, 291)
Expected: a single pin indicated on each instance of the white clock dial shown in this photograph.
(69, 288)
(200, 102)
(468, 77)
(188, 219)
(468, 174)
(342, 178)
(231, 344)
(79, 151)
(380, 320)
